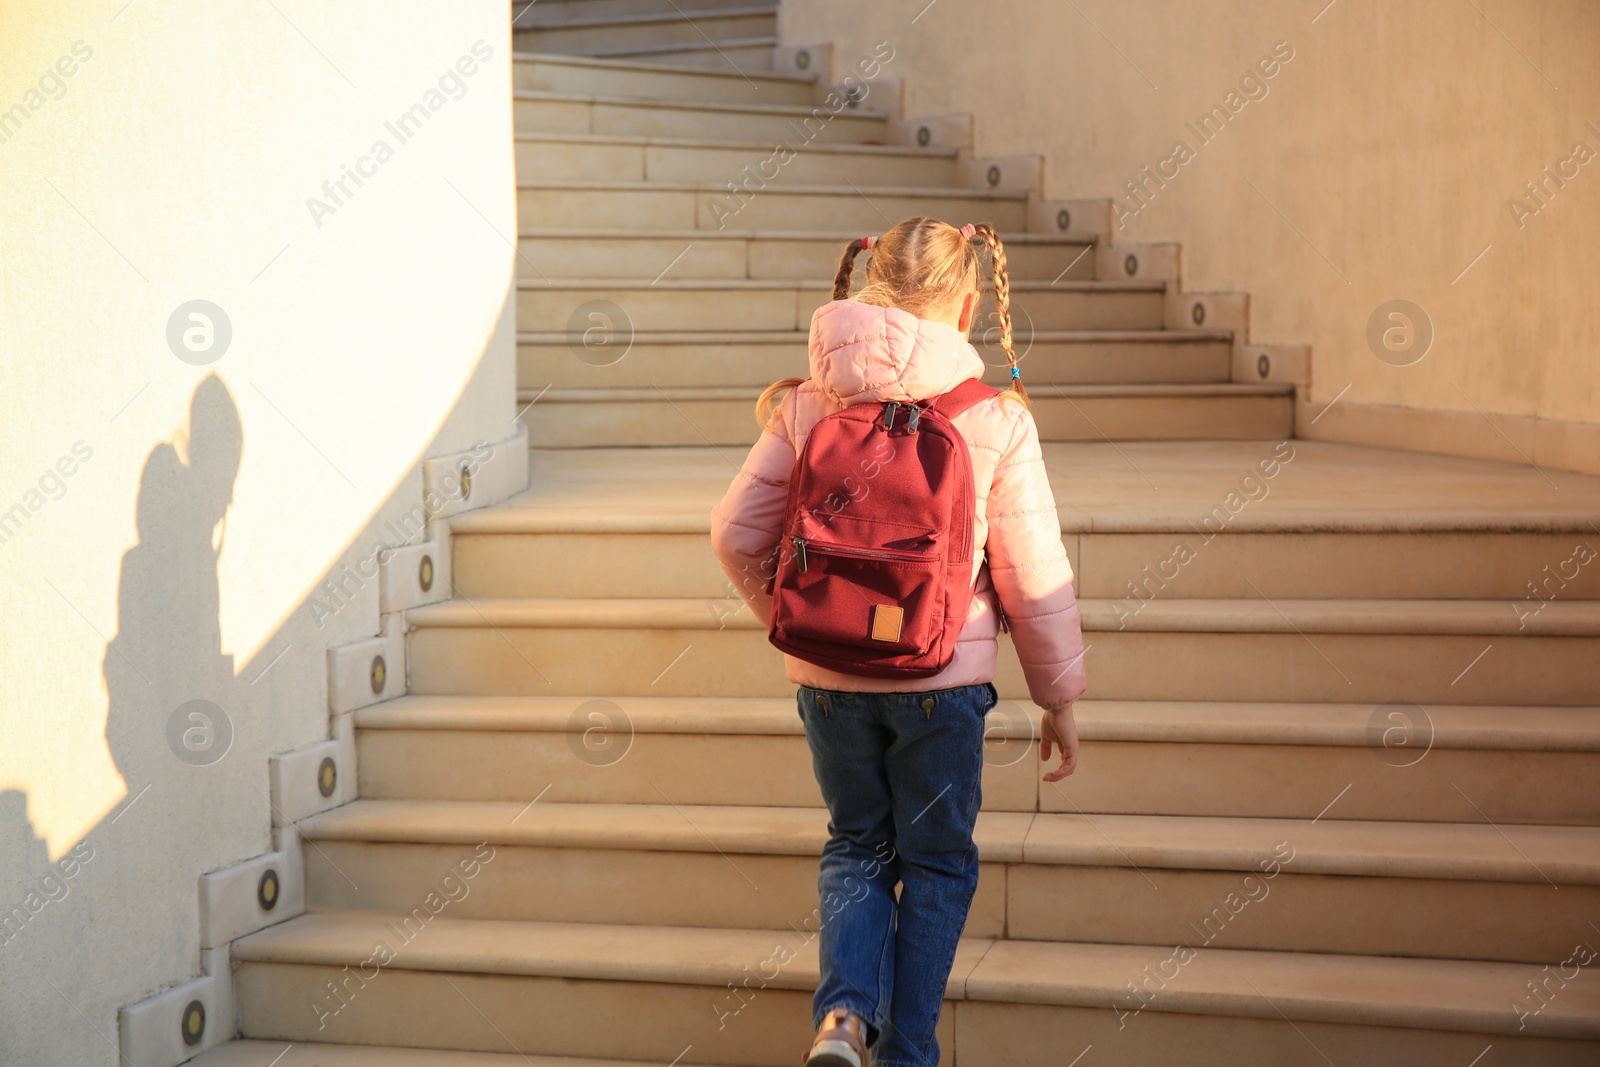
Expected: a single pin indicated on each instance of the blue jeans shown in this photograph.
(901, 775)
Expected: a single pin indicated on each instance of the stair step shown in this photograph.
(1233, 650)
(543, 986)
(554, 72)
(626, 306)
(1577, 620)
(560, 12)
(707, 867)
(1160, 488)
(797, 125)
(612, 33)
(609, 158)
(756, 254)
(248, 1053)
(1521, 764)
(635, 522)
(1391, 888)
(586, 418)
(1453, 727)
(744, 358)
(675, 206)
(745, 55)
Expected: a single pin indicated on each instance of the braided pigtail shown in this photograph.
(841, 280)
(768, 402)
(984, 232)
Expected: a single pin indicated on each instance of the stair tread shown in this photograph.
(650, 18)
(1196, 615)
(245, 1052)
(1481, 727)
(1565, 855)
(569, 59)
(949, 192)
(1126, 488)
(1037, 390)
(655, 827)
(1064, 238)
(1427, 993)
(695, 956)
(724, 285)
(781, 110)
(682, 46)
(820, 147)
(749, 337)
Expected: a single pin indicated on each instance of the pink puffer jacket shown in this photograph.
(862, 354)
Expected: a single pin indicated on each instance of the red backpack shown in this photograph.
(874, 570)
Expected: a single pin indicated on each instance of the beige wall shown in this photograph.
(170, 156)
(1384, 157)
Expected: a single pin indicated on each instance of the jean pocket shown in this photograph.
(811, 701)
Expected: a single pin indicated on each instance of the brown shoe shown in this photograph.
(841, 1042)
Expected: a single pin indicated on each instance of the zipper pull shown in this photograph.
(800, 553)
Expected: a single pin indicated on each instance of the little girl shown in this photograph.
(900, 770)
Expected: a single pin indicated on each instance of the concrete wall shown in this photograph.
(1384, 161)
(168, 506)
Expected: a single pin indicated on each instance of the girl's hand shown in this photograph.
(1057, 727)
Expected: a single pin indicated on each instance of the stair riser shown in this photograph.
(742, 58)
(699, 123)
(1278, 781)
(1289, 565)
(634, 1020)
(646, 768)
(558, 424)
(762, 258)
(559, 12)
(677, 31)
(595, 885)
(585, 256)
(774, 208)
(538, 1015)
(1289, 912)
(556, 77)
(586, 565)
(1005, 1035)
(758, 365)
(628, 162)
(667, 365)
(1210, 563)
(1427, 784)
(660, 308)
(513, 660)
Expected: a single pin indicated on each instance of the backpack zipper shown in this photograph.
(801, 546)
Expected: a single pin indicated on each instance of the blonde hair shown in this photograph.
(920, 264)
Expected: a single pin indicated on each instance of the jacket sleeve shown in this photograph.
(1031, 575)
(746, 525)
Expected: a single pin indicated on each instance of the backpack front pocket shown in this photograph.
(862, 597)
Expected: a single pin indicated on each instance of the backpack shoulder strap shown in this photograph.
(962, 397)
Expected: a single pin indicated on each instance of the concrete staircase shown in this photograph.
(1337, 796)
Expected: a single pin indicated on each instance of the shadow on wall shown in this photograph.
(168, 684)
(166, 660)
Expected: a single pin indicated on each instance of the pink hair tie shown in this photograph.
(969, 231)
(867, 243)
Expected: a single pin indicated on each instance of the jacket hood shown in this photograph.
(862, 353)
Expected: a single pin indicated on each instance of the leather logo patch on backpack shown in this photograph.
(886, 622)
